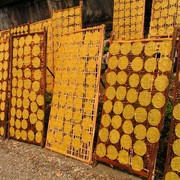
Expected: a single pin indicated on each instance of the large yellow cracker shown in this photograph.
(147, 81)
(140, 148)
(153, 135)
(176, 147)
(101, 150)
(118, 107)
(172, 176)
(140, 114)
(140, 131)
(112, 152)
(114, 136)
(128, 112)
(145, 98)
(137, 48)
(134, 80)
(137, 163)
(121, 92)
(158, 100)
(154, 117)
(175, 164)
(127, 127)
(137, 64)
(132, 95)
(176, 112)
(122, 77)
(161, 83)
(104, 134)
(114, 48)
(123, 62)
(123, 157)
(112, 62)
(110, 92)
(126, 141)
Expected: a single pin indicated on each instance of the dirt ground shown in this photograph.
(22, 161)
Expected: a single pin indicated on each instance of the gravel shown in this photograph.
(22, 161)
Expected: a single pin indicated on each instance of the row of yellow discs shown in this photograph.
(78, 40)
(123, 156)
(26, 61)
(24, 135)
(67, 13)
(175, 146)
(4, 47)
(149, 49)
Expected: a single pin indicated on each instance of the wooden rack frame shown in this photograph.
(59, 111)
(176, 100)
(149, 158)
(33, 132)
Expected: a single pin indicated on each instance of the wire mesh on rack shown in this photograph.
(4, 75)
(165, 14)
(27, 102)
(18, 30)
(172, 170)
(38, 27)
(128, 19)
(76, 91)
(134, 104)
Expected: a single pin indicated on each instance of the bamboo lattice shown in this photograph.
(128, 19)
(165, 14)
(172, 170)
(134, 104)
(75, 97)
(27, 102)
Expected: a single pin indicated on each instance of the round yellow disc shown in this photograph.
(32, 96)
(77, 130)
(34, 107)
(36, 62)
(123, 62)
(137, 163)
(165, 64)
(158, 100)
(67, 127)
(24, 124)
(111, 78)
(110, 92)
(86, 137)
(126, 141)
(161, 83)
(114, 136)
(125, 48)
(127, 127)
(104, 134)
(27, 83)
(35, 86)
(91, 66)
(27, 73)
(18, 113)
(123, 157)
(18, 134)
(165, 47)
(116, 122)
(86, 123)
(112, 63)
(24, 135)
(151, 48)
(154, 117)
(140, 131)
(101, 150)
(134, 80)
(107, 106)
(137, 64)
(118, 107)
(39, 126)
(121, 93)
(145, 98)
(112, 152)
(33, 118)
(177, 130)
(12, 132)
(171, 176)
(38, 137)
(106, 120)
(147, 81)
(76, 144)
(12, 121)
(40, 114)
(153, 135)
(37, 74)
(40, 100)
(176, 147)
(175, 164)
(132, 95)
(26, 103)
(36, 50)
(140, 115)
(137, 48)
(176, 111)
(122, 77)
(114, 48)
(140, 148)
(36, 39)
(31, 135)
(128, 111)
